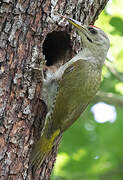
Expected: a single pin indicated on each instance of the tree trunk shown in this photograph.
(29, 32)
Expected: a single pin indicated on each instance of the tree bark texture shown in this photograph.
(28, 31)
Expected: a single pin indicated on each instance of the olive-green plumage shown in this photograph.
(76, 89)
(69, 90)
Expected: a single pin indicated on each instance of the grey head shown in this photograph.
(93, 38)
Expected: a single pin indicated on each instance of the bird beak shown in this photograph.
(75, 23)
(83, 31)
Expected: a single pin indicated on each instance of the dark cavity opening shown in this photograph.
(57, 48)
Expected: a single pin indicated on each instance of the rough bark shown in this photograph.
(27, 32)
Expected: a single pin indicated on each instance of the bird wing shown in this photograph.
(69, 102)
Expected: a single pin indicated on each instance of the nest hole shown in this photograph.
(57, 48)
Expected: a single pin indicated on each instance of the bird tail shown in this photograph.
(41, 149)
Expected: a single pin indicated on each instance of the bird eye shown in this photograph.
(92, 30)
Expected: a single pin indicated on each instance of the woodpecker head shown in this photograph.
(92, 37)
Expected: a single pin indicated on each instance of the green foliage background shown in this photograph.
(96, 152)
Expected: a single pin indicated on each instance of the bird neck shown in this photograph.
(93, 55)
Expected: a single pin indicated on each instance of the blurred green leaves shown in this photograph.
(117, 23)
